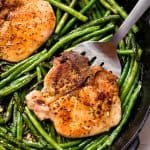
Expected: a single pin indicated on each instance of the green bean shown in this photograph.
(39, 75)
(7, 145)
(93, 142)
(107, 13)
(130, 92)
(81, 4)
(52, 131)
(3, 129)
(15, 141)
(19, 126)
(128, 74)
(125, 51)
(41, 130)
(101, 8)
(73, 20)
(58, 139)
(97, 143)
(82, 144)
(46, 65)
(20, 66)
(98, 12)
(95, 33)
(33, 130)
(96, 22)
(58, 14)
(67, 2)
(2, 147)
(122, 13)
(124, 120)
(64, 18)
(69, 10)
(128, 41)
(17, 84)
(14, 127)
(93, 13)
(34, 64)
(107, 38)
(108, 6)
(122, 45)
(36, 145)
(130, 80)
(23, 69)
(124, 72)
(95, 38)
(69, 38)
(8, 114)
(18, 101)
(72, 143)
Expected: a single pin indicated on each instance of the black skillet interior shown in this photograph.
(140, 112)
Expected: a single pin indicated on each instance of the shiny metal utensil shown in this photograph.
(105, 52)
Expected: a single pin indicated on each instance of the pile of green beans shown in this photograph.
(76, 21)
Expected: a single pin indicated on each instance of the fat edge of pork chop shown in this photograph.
(89, 109)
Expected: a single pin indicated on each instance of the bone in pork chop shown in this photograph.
(81, 100)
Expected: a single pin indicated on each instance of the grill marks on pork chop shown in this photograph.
(88, 105)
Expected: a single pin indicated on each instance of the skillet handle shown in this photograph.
(135, 144)
(133, 17)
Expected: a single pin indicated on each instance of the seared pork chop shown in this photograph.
(80, 100)
(24, 26)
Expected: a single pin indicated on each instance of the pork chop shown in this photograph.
(24, 26)
(81, 100)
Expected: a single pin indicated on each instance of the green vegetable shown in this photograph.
(108, 6)
(124, 72)
(130, 80)
(2, 147)
(64, 18)
(32, 129)
(36, 145)
(15, 85)
(14, 124)
(58, 14)
(39, 74)
(70, 144)
(8, 114)
(106, 38)
(95, 33)
(41, 130)
(14, 141)
(95, 143)
(13, 71)
(19, 126)
(127, 99)
(73, 20)
(70, 37)
(125, 51)
(122, 13)
(68, 10)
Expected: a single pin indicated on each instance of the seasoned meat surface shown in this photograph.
(80, 100)
(68, 73)
(24, 26)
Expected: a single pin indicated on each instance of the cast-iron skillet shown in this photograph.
(141, 110)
